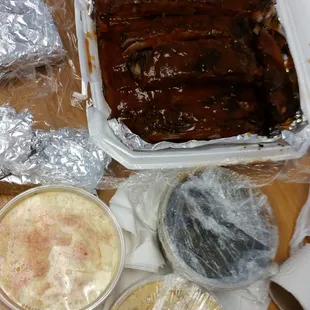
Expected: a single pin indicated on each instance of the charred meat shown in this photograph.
(195, 69)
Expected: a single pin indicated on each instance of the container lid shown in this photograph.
(60, 248)
(169, 292)
(217, 229)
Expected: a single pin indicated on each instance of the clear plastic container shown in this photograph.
(60, 248)
(217, 229)
(169, 292)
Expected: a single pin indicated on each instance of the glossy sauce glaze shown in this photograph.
(183, 70)
(58, 250)
(183, 7)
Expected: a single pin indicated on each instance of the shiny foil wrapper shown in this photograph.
(65, 156)
(296, 136)
(29, 36)
(15, 136)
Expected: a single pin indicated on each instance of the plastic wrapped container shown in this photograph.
(217, 229)
(60, 248)
(166, 292)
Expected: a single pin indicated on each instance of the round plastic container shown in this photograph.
(166, 292)
(60, 248)
(217, 229)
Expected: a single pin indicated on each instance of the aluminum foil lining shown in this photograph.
(134, 142)
(29, 36)
(66, 156)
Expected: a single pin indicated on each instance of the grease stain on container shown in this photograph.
(91, 35)
(90, 58)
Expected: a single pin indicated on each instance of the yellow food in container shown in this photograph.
(166, 293)
(60, 248)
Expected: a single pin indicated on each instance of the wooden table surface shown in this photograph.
(285, 198)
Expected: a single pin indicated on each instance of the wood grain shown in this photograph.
(286, 200)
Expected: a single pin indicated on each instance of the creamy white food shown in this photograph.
(58, 250)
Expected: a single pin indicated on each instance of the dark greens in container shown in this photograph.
(217, 229)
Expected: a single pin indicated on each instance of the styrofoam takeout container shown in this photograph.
(294, 17)
(105, 209)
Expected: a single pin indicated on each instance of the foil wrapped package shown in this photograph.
(15, 136)
(29, 37)
(65, 156)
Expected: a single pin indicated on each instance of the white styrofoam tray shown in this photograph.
(294, 16)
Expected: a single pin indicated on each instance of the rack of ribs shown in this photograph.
(193, 69)
(183, 114)
(278, 87)
(194, 62)
(147, 8)
(139, 34)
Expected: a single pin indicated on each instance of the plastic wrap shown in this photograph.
(215, 225)
(43, 119)
(15, 136)
(145, 193)
(61, 248)
(48, 90)
(302, 228)
(166, 292)
(217, 230)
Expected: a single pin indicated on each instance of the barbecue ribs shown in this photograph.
(193, 69)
